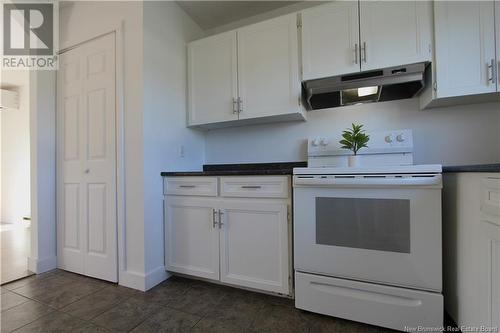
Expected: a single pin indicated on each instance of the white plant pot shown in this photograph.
(354, 161)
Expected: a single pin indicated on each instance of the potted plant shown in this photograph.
(354, 139)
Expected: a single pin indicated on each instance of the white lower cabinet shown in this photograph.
(235, 240)
(254, 244)
(471, 230)
(192, 237)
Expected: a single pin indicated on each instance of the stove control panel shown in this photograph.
(394, 141)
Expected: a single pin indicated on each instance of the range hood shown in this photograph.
(365, 87)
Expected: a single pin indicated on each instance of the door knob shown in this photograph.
(87, 171)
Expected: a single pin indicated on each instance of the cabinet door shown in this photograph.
(191, 237)
(497, 34)
(465, 47)
(254, 245)
(330, 40)
(268, 68)
(212, 79)
(395, 33)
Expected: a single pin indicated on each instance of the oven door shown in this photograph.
(382, 229)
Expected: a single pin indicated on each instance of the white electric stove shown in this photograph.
(367, 240)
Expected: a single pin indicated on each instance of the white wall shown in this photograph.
(167, 29)
(468, 134)
(43, 171)
(15, 150)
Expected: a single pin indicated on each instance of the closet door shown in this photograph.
(86, 160)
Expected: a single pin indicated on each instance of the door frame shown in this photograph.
(119, 139)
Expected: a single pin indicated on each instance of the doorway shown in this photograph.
(86, 159)
(15, 206)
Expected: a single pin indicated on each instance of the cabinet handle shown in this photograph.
(240, 105)
(363, 50)
(214, 218)
(220, 219)
(187, 186)
(491, 71)
(235, 105)
(251, 186)
(356, 53)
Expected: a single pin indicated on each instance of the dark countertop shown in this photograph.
(472, 168)
(247, 169)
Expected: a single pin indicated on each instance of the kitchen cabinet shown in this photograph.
(330, 40)
(394, 33)
(239, 235)
(471, 230)
(245, 76)
(213, 86)
(337, 38)
(497, 43)
(465, 63)
(268, 71)
(192, 238)
(254, 244)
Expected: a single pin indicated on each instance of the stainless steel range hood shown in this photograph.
(365, 87)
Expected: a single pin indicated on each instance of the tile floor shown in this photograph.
(15, 247)
(59, 301)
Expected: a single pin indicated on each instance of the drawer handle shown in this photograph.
(187, 186)
(251, 186)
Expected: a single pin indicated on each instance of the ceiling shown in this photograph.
(212, 14)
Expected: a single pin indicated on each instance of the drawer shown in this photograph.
(199, 186)
(374, 304)
(255, 187)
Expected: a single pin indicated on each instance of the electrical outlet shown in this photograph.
(181, 151)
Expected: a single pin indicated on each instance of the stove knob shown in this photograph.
(324, 142)
(389, 138)
(400, 138)
(315, 142)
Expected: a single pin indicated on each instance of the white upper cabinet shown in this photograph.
(268, 68)
(394, 33)
(212, 76)
(465, 62)
(246, 76)
(330, 40)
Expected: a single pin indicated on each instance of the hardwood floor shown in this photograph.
(15, 248)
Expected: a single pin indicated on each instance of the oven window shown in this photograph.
(375, 224)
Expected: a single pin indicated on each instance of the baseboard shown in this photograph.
(42, 265)
(142, 281)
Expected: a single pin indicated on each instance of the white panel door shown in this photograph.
(212, 79)
(192, 236)
(465, 47)
(87, 236)
(254, 244)
(330, 40)
(268, 68)
(395, 33)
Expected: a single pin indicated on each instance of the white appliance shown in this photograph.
(368, 239)
(9, 99)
